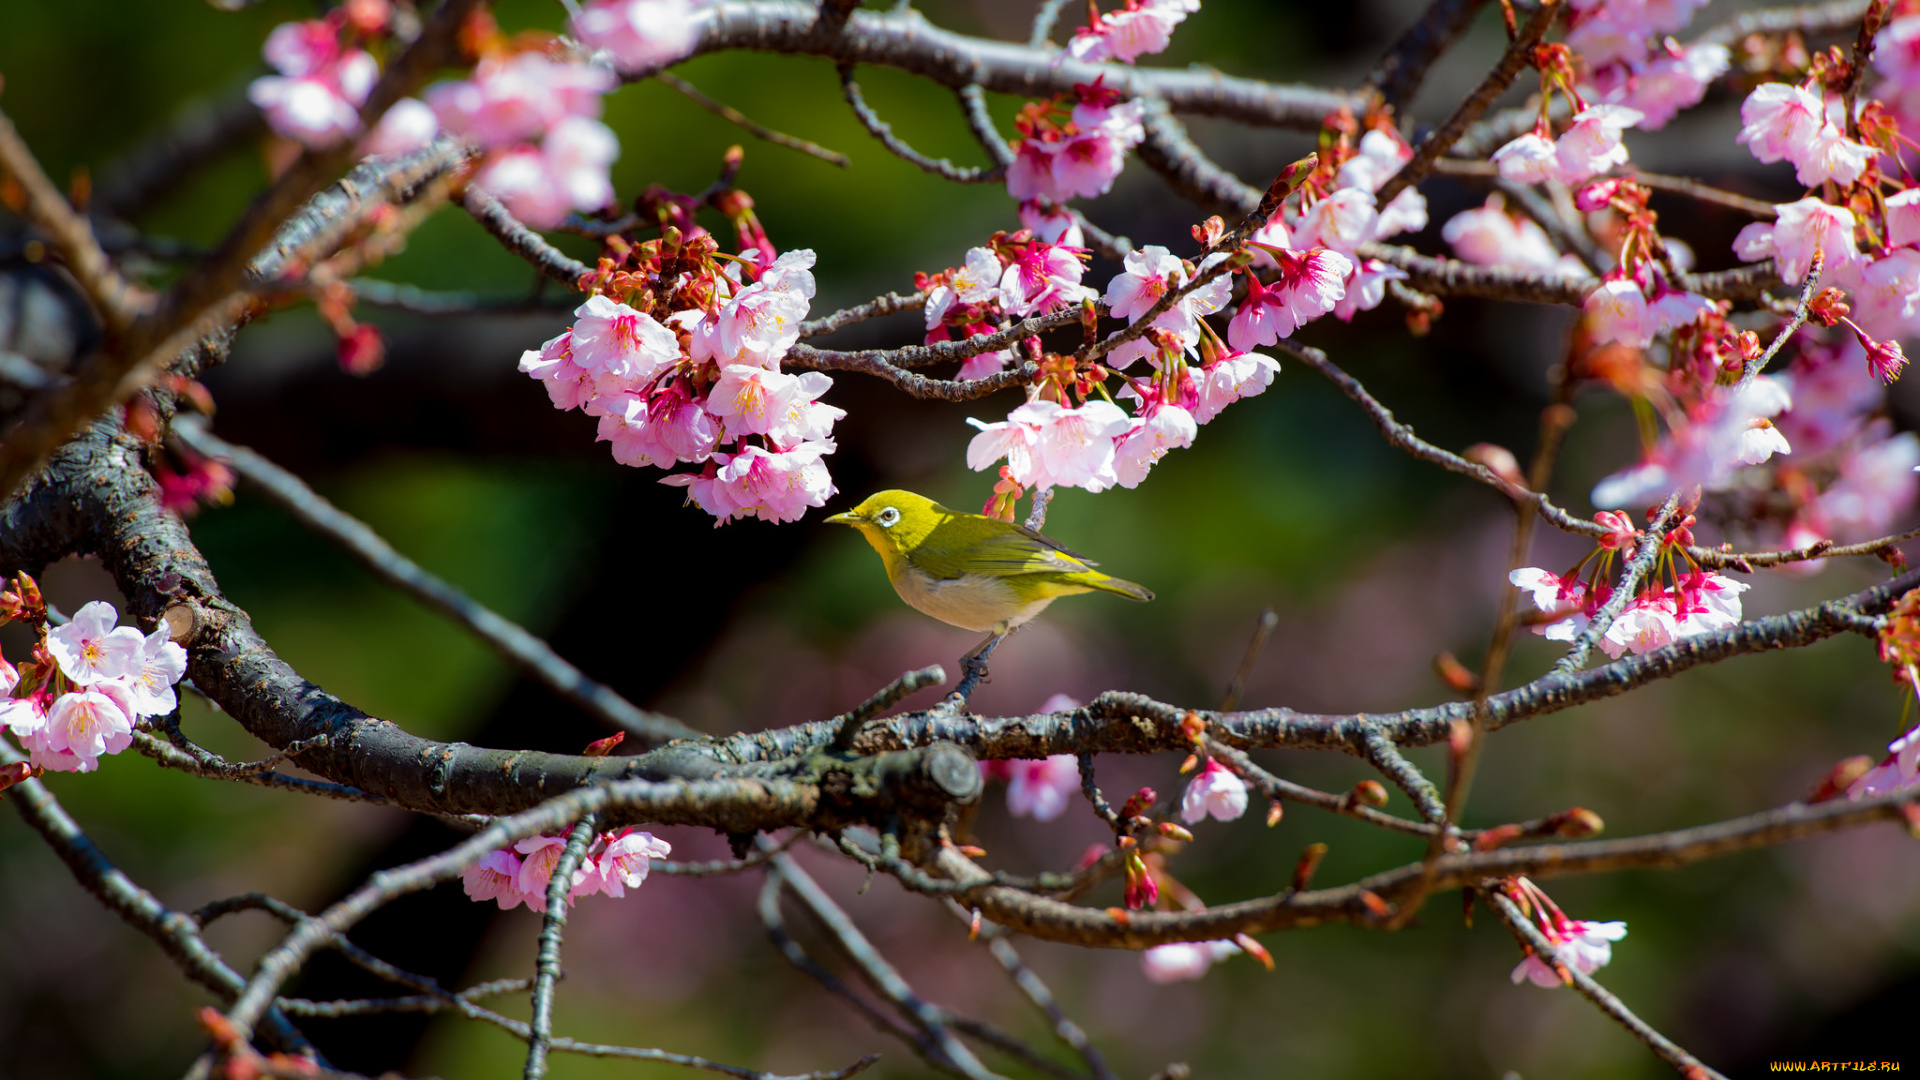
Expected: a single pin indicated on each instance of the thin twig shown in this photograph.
(553, 924)
(883, 131)
(1518, 55)
(759, 131)
(502, 635)
(888, 696)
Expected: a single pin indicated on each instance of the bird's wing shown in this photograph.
(1056, 545)
(1023, 552)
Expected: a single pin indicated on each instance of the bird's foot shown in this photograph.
(973, 672)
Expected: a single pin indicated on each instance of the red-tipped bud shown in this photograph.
(1209, 232)
(1275, 812)
(1459, 737)
(603, 747)
(1375, 906)
(1829, 307)
(1368, 793)
(1192, 727)
(1254, 949)
(1596, 196)
(1840, 778)
(973, 926)
(1120, 916)
(1497, 836)
(971, 851)
(1192, 763)
(1309, 862)
(1578, 823)
(16, 772)
(1173, 831)
(1139, 803)
(362, 350)
(1455, 674)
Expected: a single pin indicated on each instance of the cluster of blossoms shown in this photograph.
(1074, 145)
(1675, 603)
(1899, 647)
(528, 104)
(89, 682)
(1133, 31)
(679, 359)
(614, 863)
(1013, 277)
(1581, 945)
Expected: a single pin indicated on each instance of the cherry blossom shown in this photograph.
(1552, 593)
(1308, 286)
(569, 385)
(1227, 380)
(1038, 789)
(1014, 439)
(623, 863)
(1903, 213)
(1163, 427)
(1489, 236)
(784, 407)
(540, 856)
(408, 125)
(1591, 145)
(1875, 486)
(316, 98)
(495, 877)
(1341, 222)
(976, 281)
(640, 34)
(1216, 791)
(91, 649)
(1183, 960)
(86, 724)
(1366, 287)
(1581, 945)
(1139, 28)
(1529, 159)
(1713, 443)
(1043, 277)
(1779, 121)
(1146, 275)
(1801, 229)
(1617, 311)
(569, 171)
(1670, 82)
(1055, 226)
(772, 486)
(513, 99)
(161, 663)
(628, 345)
(1076, 446)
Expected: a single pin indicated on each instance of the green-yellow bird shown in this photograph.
(973, 571)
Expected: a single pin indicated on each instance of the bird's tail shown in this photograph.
(1119, 586)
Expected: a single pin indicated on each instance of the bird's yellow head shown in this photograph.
(895, 522)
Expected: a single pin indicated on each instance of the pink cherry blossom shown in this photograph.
(624, 863)
(1875, 487)
(1165, 427)
(1044, 277)
(1489, 236)
(1183, 960)
(540, 857)
(1807, 226)
(567, 172)
(1608, 36)
(1646, 624)
(1340, 222)
(1713, 443)
(1145, 274)
(1830, 155)
(1552, 593)
(641, 34)
(1903, 212)
(316, 98)
(1703, 603)
(161, 664)
(761, 322)
(87, 724)
(1087, 164)
(1041, 789)
(1581, 945)
(1147, 277)
(408, 125)
(1308, 286)
(25, 717)
(784, 407)
(1366, 287)
(514, 99)
(1665, 85)
(91, 649)
(621, 347)
(1780, 122)
(1075, 447)
(1227, 380)
(1900, 769)
(569, 385)
(1617, 311)
(1216, 791)
(1591, 145)
(773, 486)
(1673, 308)
(1529, 159)
(1056, 226)
(975, 281)
(495, 877)
(1379, 155)
(1141, 27)
(1013, 439)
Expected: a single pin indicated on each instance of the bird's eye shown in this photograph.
(888, 518)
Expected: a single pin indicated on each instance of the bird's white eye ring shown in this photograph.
(888, 518)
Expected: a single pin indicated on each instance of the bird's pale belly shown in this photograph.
(972, 601)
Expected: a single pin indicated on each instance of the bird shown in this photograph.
(970, 570)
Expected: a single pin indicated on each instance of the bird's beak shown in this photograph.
(848, 518)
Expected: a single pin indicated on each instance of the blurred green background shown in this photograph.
(1290, 499)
